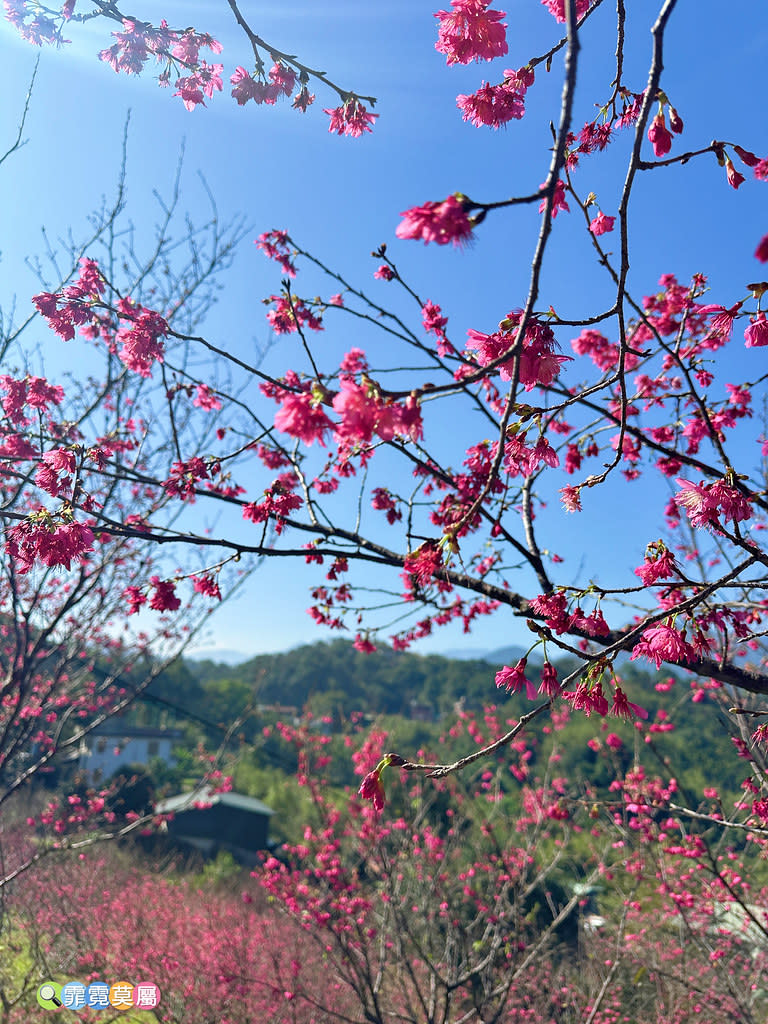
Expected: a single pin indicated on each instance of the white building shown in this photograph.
(113, 745)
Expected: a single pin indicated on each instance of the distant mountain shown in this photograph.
(466, 654)
(498, 656)
(508, 655)
(219, 656)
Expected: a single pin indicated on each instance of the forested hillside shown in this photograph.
(418, 699)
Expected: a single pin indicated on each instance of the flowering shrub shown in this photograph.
(514, 892)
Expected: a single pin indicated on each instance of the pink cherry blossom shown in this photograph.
(291, 314)
(442, 222)
(383, 501)
(722, 322)
(420, 567)
(353, 362)
(699, 503)
(184, 477)
(601, 224)
(537, 363)
(491, 105)
(549, 684)
(365, 646)
(283, 78)
(358, 412)
(571, 498)
(558, 199)
(39, 539)
(624, 708)
(206, 399)
(244, 86)
(202, 82)
(659, 137)
(38, 31)
(303, 417)
(135, 597)
(33, 392)
(471, 32)
(662, 643)
(371, 788)
(133, 48)
(351, 118)
(140, 335)
(761, 252)
(676, 122)
(495, 105)
(276, 246)
(277, 505)
(705, 503)
(554, 609)
(593, 624)
(163, 597)
(659, 566)
(52, 464)
(756, 335)
(735, 178)
(557, 8)
(735, 506)
(514, 680)
(207, 585)
(432, 319)
(303, 99)
(594, 137)
(363, 414)
(588, 697)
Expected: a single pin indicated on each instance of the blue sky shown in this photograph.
(341, 198)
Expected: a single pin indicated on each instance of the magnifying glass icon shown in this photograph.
(47, 993)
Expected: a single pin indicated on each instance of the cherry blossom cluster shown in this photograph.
(35, 23)
(178, 54)
(282, 81)
(350, 118)
(139, 333)
(26, 395)
(48, 539)
(276, 246)
(537, 364)
(290, 314)
(471, 32)
(495, 105)
(442, 222)
(363, 412)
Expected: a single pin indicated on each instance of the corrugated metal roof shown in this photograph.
(186, 801)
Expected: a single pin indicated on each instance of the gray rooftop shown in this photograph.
(187, 801)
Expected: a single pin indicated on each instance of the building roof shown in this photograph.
(187, 801)
(135, 732)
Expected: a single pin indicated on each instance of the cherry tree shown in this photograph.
(70, 654)
(544, 406)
